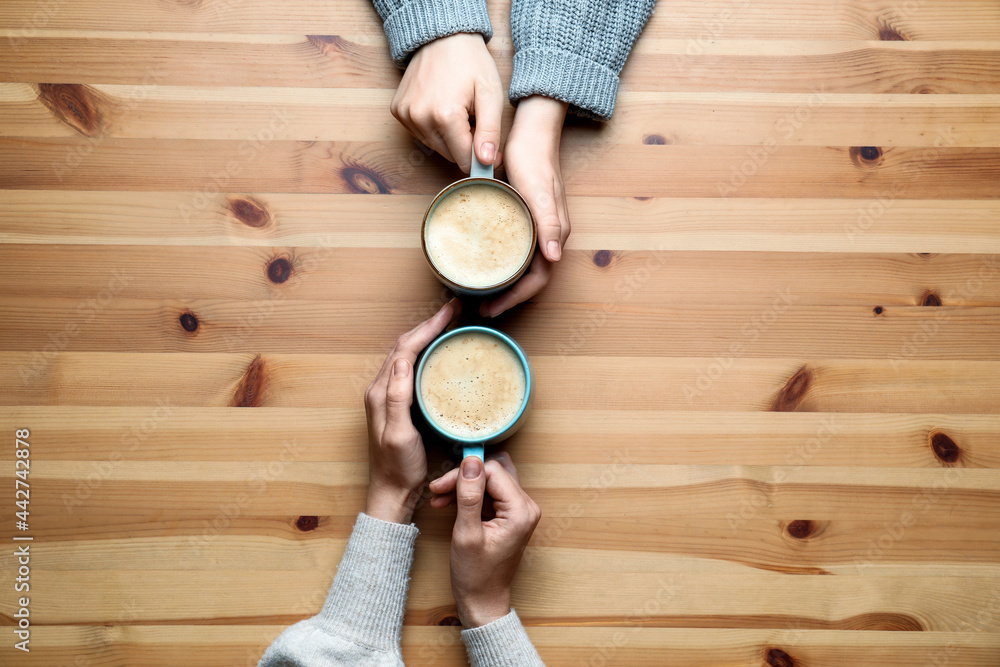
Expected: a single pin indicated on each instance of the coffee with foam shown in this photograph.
(478, 235)
(472, 385)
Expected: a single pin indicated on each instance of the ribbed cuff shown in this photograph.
(415, 23)
(589, 87)
(502, 643)
(368, 596)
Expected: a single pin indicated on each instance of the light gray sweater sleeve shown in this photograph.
(573, 50)
(502, 643)
(409, 24)
(362, 619)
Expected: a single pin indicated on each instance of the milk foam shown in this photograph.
(478, 235)
(472, 385)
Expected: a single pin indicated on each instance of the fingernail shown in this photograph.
(554, 251)
(489, 152)
(472, 467)
(400, 368)
(483, 310)
(494, 311)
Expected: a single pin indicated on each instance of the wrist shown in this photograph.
(542, 115)
(477, 614)
(391, 504)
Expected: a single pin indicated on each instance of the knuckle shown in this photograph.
(464, 541)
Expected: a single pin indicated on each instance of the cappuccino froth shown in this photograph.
(478, 235)
(472, 385)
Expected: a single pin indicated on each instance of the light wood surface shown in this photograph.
(766, 429)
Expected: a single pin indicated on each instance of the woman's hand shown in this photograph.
(531, 156)
(485, 554)
(397, 463)
(446, 81)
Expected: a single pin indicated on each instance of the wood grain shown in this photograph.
(766, 424)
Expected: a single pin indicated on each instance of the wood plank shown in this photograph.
(278, 326)
(361, 61)
(577, 382)
(740, 543)
(929, 603)
(927, 546)
(702, 118)
(640, 492)
(377, 168)
(621, 223)
(722, 19)
(173, 433)
(162, 645)
(99, 276)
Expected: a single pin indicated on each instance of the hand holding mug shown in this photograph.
(532, 163)
(485, 554)
(446, 81)
(397, 463)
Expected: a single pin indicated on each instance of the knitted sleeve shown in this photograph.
(362, 619)
(502, 643)
(573, 50)
(409, 24)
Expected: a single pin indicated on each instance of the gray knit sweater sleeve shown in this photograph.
(409, 24)
(502, 643)
(362, 619)
(573, 50)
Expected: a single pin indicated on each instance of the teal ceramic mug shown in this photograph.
(477, 235)
(474, 387)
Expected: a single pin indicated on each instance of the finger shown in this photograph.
(503, 458)
(432, 136)
(445, 483)
(409, 345)
(442, 500)
(458, 137)
(505, 490)
(531, 284)
(564, 226)
(469, 494)
(398, 399)
(544, 207)
(420, 335)
(488, 111)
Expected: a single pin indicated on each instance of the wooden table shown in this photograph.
(768, 366)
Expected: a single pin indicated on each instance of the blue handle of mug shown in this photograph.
(473, 450)
(480, 170)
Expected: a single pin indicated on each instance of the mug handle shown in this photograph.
(480, 170)
(473, 450)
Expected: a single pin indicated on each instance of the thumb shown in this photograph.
(471, 486)
(488, 111)
(548, 225)
(399, 398)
